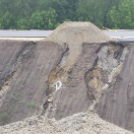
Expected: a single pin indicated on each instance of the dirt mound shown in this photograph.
(74, 34)
(81, 123)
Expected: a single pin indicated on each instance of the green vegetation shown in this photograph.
(48, 14)
(8, 64)
(32, 105)
(123, 16)
(17, 96)
(3, 116)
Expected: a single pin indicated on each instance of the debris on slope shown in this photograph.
(68, 74)
(24, 93)
(95, 70)
(86, 123)
(75, 34)
(116, 104)
(75, 60)
(9, 63)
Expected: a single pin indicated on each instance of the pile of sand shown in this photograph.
(69, 32)
(74, 34)
(81, 123)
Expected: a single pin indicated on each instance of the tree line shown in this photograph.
(48, 14)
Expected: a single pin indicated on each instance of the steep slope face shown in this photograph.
(73, 97)
(117, 102)
(9, 53)
(76, 70)
(95, 70)
(70, 73)
(23, 92)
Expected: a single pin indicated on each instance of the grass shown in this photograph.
(21, 96)
(16, 96)
(8, 64)
(22, 86)
(32, 105)
(4, 116)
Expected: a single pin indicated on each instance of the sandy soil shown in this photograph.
(74, 34)
(81, 123)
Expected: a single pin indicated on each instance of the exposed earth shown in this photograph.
(59, 84)
(82, 123)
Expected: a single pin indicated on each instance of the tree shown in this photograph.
(43, 20)
(6, 21)
(95, 10)
(65, 9)
(47, 14)
(91, 10)
(122, 17)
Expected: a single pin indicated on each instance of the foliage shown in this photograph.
(48, 14)
(95, 10)
(123, 17)
(6, 20)
(65, 9)
(3, 116)
(90, 11)
(32, 105)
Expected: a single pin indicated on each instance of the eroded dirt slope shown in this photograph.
(73, 71)
(117, 102)
(23, 92)
(95, 70)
